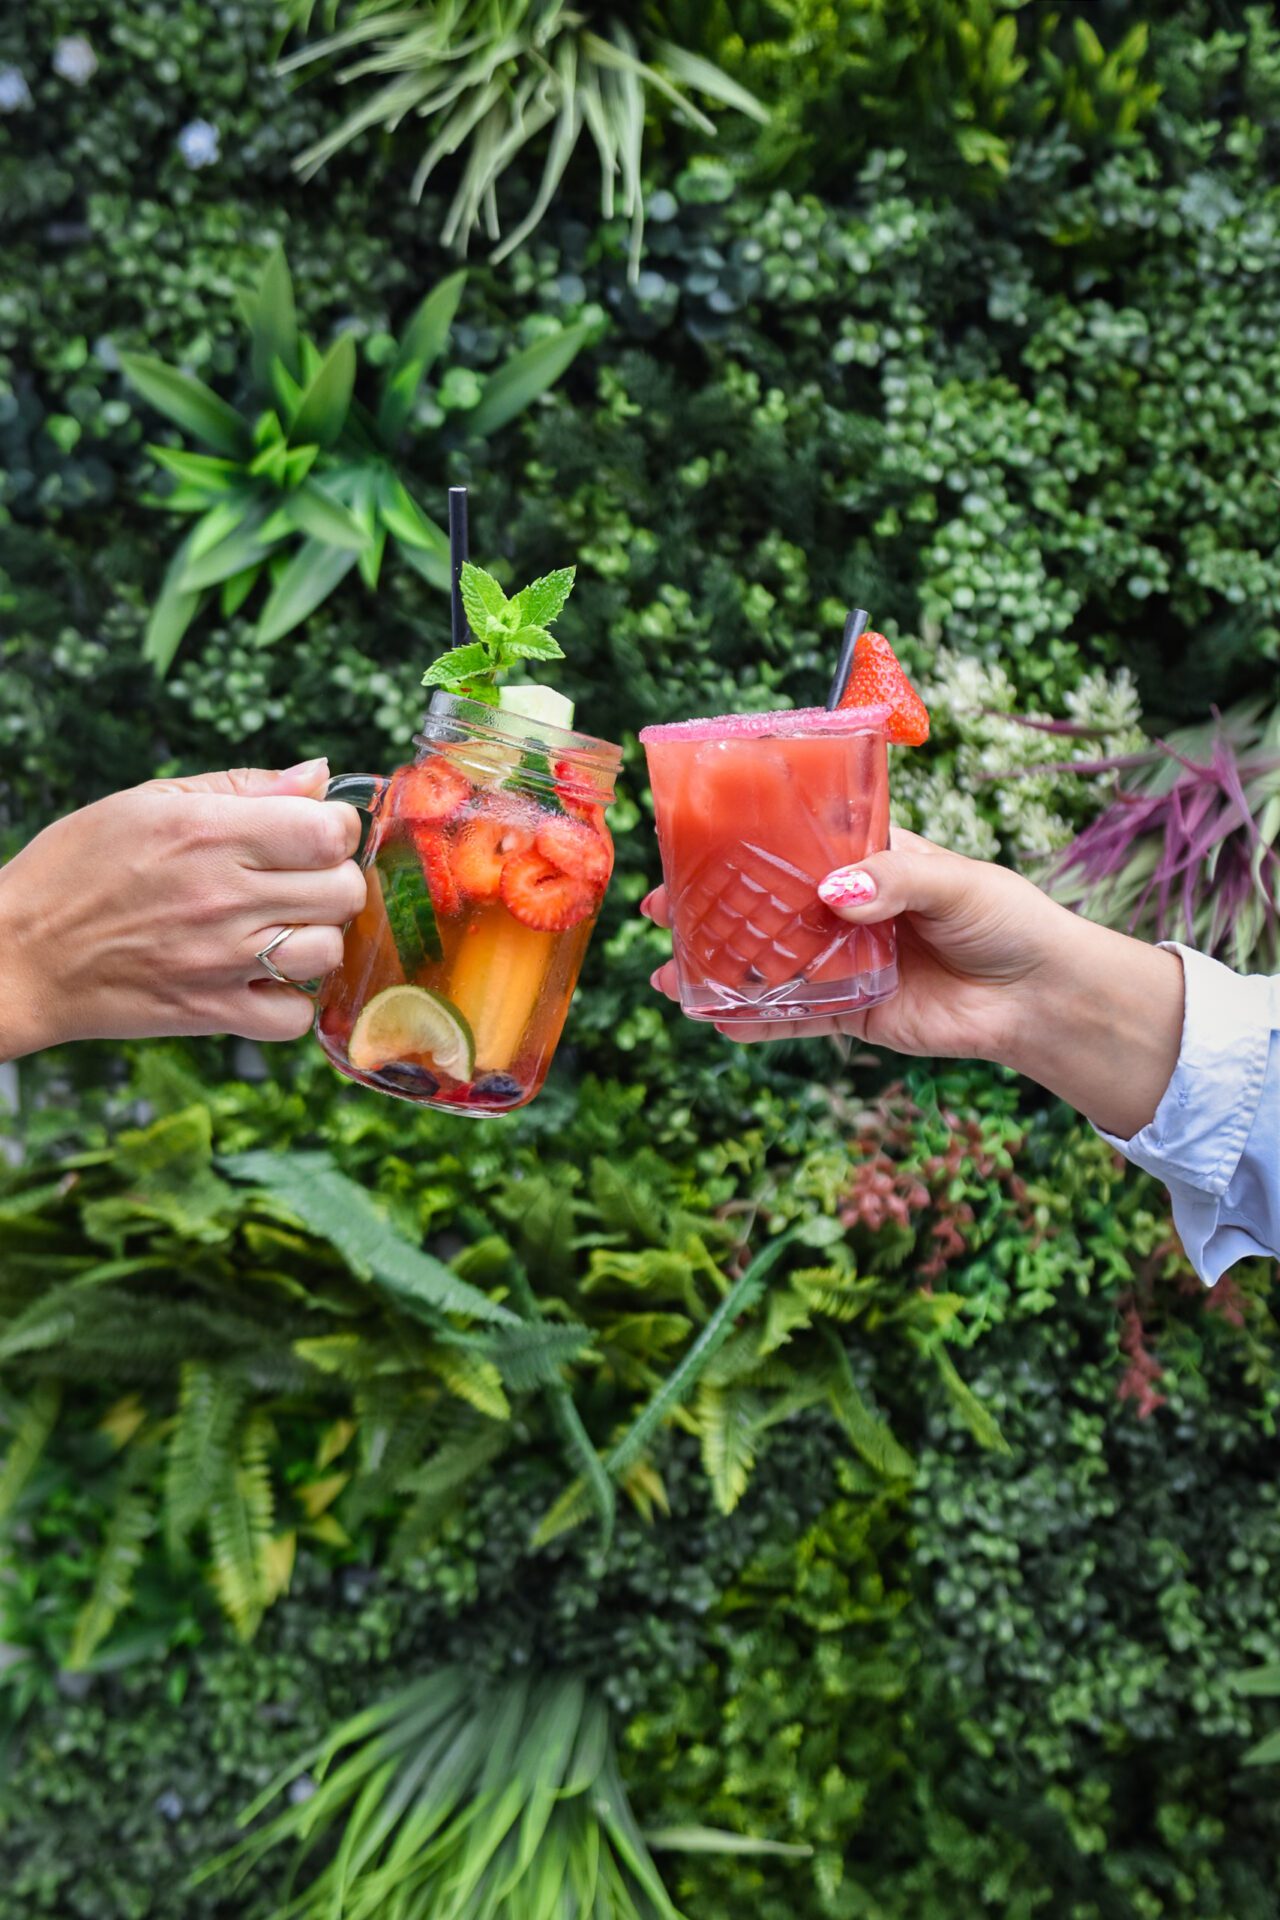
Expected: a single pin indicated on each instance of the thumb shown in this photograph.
(917, 879)
(307, 780)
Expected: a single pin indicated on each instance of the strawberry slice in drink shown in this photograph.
(432, 791)
(481, 851)
(543, 896)
(575, 847)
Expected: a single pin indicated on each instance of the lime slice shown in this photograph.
(402, 1023)
(543, 705)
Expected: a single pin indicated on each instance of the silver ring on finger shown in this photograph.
(265, 960)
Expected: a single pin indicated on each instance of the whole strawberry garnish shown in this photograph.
(877, 680)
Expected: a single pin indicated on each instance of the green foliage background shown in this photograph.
(979, 332)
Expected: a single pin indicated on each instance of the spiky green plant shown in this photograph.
(303, 484)
(489, 77)
(457, 1799)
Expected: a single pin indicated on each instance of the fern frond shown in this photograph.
(981, 1423)
(438, 1485)
(728, 1417)
(200, 1455)
(32, 1426)
(469, 1378)
(683, 1378)
(866, 1431)
(131, 1525)
(834, 1293)
(241, 1515)
(533, 1356)
(579, 1446)
(312, 1189)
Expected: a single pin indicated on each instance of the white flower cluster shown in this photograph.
(974, 793)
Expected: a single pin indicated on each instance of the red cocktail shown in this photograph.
(753, 810)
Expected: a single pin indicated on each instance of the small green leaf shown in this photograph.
(434, 566)
(1265, 1754)
(980, 1423)
(483, 600)
(720, 1840)
(531, 643)
(327, 399)
(273, 322)
(401, 515)
(270, 463)
(237, 589)
(215, 526)
(1256, 1680)
(370, 561)
(526, 376)
(1088, 45)
(692, 70)
(310, 577)
(287, 391)
(298, 462)
(544, 601)
(420, 347)
(188, 402)
(459, 664)
(175, 608)
(206, 470)
(241, 549)
(317, 512)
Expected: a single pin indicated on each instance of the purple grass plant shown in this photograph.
(1186, 850)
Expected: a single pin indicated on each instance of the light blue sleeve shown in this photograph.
(1215, 1138)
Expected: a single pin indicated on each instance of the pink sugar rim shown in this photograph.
(789, 721)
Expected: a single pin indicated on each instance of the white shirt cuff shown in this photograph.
(1208, 1108)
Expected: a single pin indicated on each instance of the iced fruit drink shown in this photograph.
(487, 860)
(753, 810)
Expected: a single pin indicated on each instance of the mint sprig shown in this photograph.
(508, 631)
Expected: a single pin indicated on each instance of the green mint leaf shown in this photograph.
(483, 600)
(544, 601)
(459, 664)
(530, 643)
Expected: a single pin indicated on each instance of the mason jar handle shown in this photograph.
(363, 791)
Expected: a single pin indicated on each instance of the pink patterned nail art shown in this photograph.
(849, 887)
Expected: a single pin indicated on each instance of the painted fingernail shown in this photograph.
(848, 887)
(655, 979)
(306, 769)
(646, 903)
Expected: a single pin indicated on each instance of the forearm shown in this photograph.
(1102, 1024)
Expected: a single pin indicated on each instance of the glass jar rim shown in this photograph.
(482, 719)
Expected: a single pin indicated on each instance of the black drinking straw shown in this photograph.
(458, 552)
(853, 628)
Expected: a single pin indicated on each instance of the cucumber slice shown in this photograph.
(402, 1023)
(406, 899)
(543, 705)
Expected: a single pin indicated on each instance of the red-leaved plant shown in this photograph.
(1186, 849)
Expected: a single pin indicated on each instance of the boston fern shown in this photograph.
(491, 76)
(300, 488)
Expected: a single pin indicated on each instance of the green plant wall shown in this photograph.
(978, 332)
